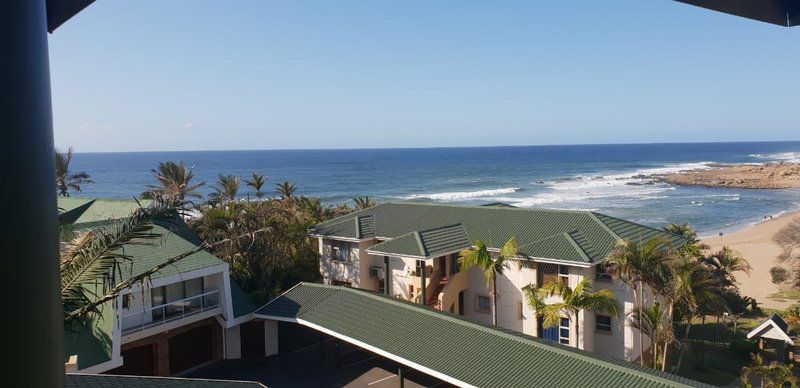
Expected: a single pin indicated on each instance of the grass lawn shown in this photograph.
(790, 295)
(716, 365)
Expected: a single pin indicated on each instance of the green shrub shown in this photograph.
(743, 348)
(779, 274)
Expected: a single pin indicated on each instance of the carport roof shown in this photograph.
(450, 348)
(98, 381)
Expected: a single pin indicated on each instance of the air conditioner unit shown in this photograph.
(376, 272)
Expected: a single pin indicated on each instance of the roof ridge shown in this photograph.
(575, 245)
(583, 355)
(442, 227)
(422, 247)
(595, 218)
(596, 215)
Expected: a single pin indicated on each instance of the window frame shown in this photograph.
(601, 274)
(602, 327)
(478, 304)
(564, 340)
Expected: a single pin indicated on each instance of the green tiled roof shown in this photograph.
(92, 339)
(242, 303)
(83, 210)
(580, 236)
(463, 350)
(427, 243)
(103, 381)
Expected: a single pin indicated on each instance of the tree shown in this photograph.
(689, 285)
(175, 185)
(693, 245)
(257, 182)
(573, 301)
(771, 375)
(480, 258)
(365, 202)
(286, 190)
(654, 322)
(724, 263)
(226, 189)
(638, 264)
(65, 180)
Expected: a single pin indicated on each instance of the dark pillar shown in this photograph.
(400, 376)
(35, 350)
(387, 282)
(423, 293)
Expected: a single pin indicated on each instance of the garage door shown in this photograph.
(190, 349)
(139, 361)
(252, 339)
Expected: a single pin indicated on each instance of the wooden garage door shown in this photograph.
(190, 348)
(252, 339)
(139, 361)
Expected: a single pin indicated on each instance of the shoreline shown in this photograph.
(755, 244)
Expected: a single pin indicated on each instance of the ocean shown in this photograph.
(611, 179)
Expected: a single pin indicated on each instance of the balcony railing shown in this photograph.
(171, 311)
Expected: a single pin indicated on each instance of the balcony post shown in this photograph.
(35, 350)
(387, 283)
(424, 269)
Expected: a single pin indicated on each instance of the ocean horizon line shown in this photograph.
(393, 148)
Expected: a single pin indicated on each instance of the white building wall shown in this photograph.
(233, 343)
(346, 271)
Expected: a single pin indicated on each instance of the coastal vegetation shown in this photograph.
(66, 180)
(174, 186)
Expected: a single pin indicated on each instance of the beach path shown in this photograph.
(755, 244)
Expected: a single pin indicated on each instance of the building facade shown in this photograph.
(410, 251)
(187, 314)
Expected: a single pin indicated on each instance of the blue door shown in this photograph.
(550, 334)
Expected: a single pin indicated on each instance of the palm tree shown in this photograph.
(227, 188)
(365, 202)
(90, 262)
(491, 267)
(286, 189)
(689, 285)
(174, 184)
(724, 263)
(685, 230)
(573, 301)
(638, 264)
(65, 180)
(654, 322)
(257, 183)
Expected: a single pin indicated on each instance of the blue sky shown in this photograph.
(195, 75)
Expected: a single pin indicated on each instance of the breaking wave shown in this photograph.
(793, 157)
(464, 195)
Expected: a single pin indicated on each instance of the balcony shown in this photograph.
(172, 311)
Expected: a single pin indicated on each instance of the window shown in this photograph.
(546, 273)
(126, 301)
(563, 331)
(601, 273)
(563, 273)
(454, 263)
(483, 304)
(340, 251)
(158, 297)
(603, 323)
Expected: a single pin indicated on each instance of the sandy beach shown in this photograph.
(755, 244)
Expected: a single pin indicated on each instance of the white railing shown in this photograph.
(171, 311)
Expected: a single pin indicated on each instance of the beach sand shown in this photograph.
(755, 244)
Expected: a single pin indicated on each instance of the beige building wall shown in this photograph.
(513, 310)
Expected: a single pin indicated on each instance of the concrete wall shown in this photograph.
(233, 343)
(346, 271)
